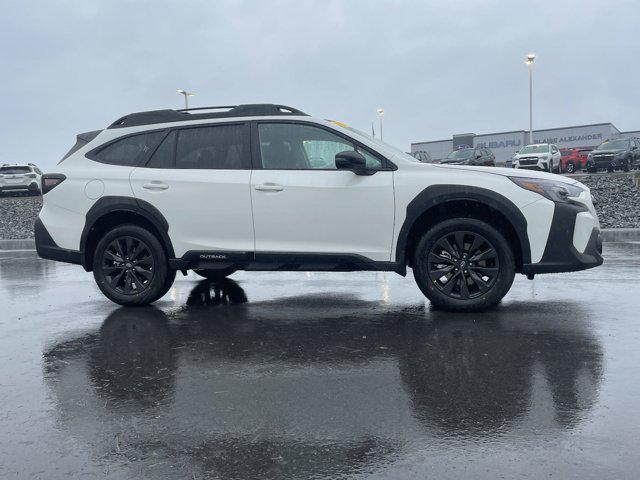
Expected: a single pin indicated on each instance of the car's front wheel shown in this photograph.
(130, 266)
(463, 264)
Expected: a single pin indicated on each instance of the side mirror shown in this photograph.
(478, 155)
(634, 147)
(351, 160)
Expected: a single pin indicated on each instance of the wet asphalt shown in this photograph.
(318, 375)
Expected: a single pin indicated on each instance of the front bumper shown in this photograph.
(47, 248)
(540, 165)
(560, 254)
(606, 162)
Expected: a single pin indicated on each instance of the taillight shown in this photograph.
(51, 181)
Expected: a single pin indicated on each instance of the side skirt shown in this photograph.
(284, 262)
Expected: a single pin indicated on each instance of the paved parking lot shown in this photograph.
(283, 375)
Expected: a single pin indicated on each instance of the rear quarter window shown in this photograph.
(129, 151)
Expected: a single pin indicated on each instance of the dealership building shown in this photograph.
(505, 144)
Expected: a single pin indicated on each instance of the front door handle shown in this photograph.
(155, 185)
(269, 187)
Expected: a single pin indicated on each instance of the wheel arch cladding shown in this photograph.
(439, 202)
(109, 212)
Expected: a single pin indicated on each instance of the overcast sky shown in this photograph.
(437, 68)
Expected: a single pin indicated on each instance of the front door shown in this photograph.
(303, 204)
(198, 178)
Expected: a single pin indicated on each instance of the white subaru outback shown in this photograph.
(266, 187)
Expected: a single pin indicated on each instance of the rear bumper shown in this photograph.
(560, 254)
(47, 248)
(31, 187)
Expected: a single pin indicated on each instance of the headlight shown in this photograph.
(556, 191)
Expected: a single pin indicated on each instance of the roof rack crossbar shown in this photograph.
(221, 107)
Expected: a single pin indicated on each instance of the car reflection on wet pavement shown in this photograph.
(318, 375)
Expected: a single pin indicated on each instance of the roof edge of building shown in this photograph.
(525, 131)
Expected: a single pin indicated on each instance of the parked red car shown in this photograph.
(573, 159)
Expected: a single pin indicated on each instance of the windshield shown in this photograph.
(535, 149)
(614, 145)
(460, 154)
(14, 170)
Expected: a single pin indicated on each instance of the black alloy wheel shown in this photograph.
(463, 265)
(128, 265)
(131, 267)
(570, 168)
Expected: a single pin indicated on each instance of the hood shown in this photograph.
(512, 172)
(454, 161)
(530, 155)
(607, 152)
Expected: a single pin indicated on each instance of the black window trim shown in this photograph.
(245, 123)
(92, 154)
(256, 157)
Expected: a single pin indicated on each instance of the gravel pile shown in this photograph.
(17, 215)
(617, 199)
(618, 205)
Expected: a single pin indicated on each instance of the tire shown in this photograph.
(167, 285)
(550, 166)
(627, 165)
(570, 168)
(131, 281)
(610, 169)
(214, 274)
(482, 291)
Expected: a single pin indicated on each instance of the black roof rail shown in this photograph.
(168, 116)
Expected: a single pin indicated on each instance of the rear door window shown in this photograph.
(130, 151)
(219, 147)
(164, 154)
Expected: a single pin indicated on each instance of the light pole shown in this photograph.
(380, 114)
(529, 61)
(186, 97)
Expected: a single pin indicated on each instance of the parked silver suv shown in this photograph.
(16, 178)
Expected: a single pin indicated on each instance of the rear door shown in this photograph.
(303, 204)
(198, 178)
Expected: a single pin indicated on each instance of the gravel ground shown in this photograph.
(17, 214)
(618, 205)
(617, 199)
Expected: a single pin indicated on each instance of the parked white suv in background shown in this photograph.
(266, 187)
(540, 156)
(20, 178)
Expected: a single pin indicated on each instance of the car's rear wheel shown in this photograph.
(215, 274)
(463, 264)
(130, 266)
(627, 165)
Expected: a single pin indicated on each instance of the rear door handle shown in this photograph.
(155, 185)
(269, 187)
